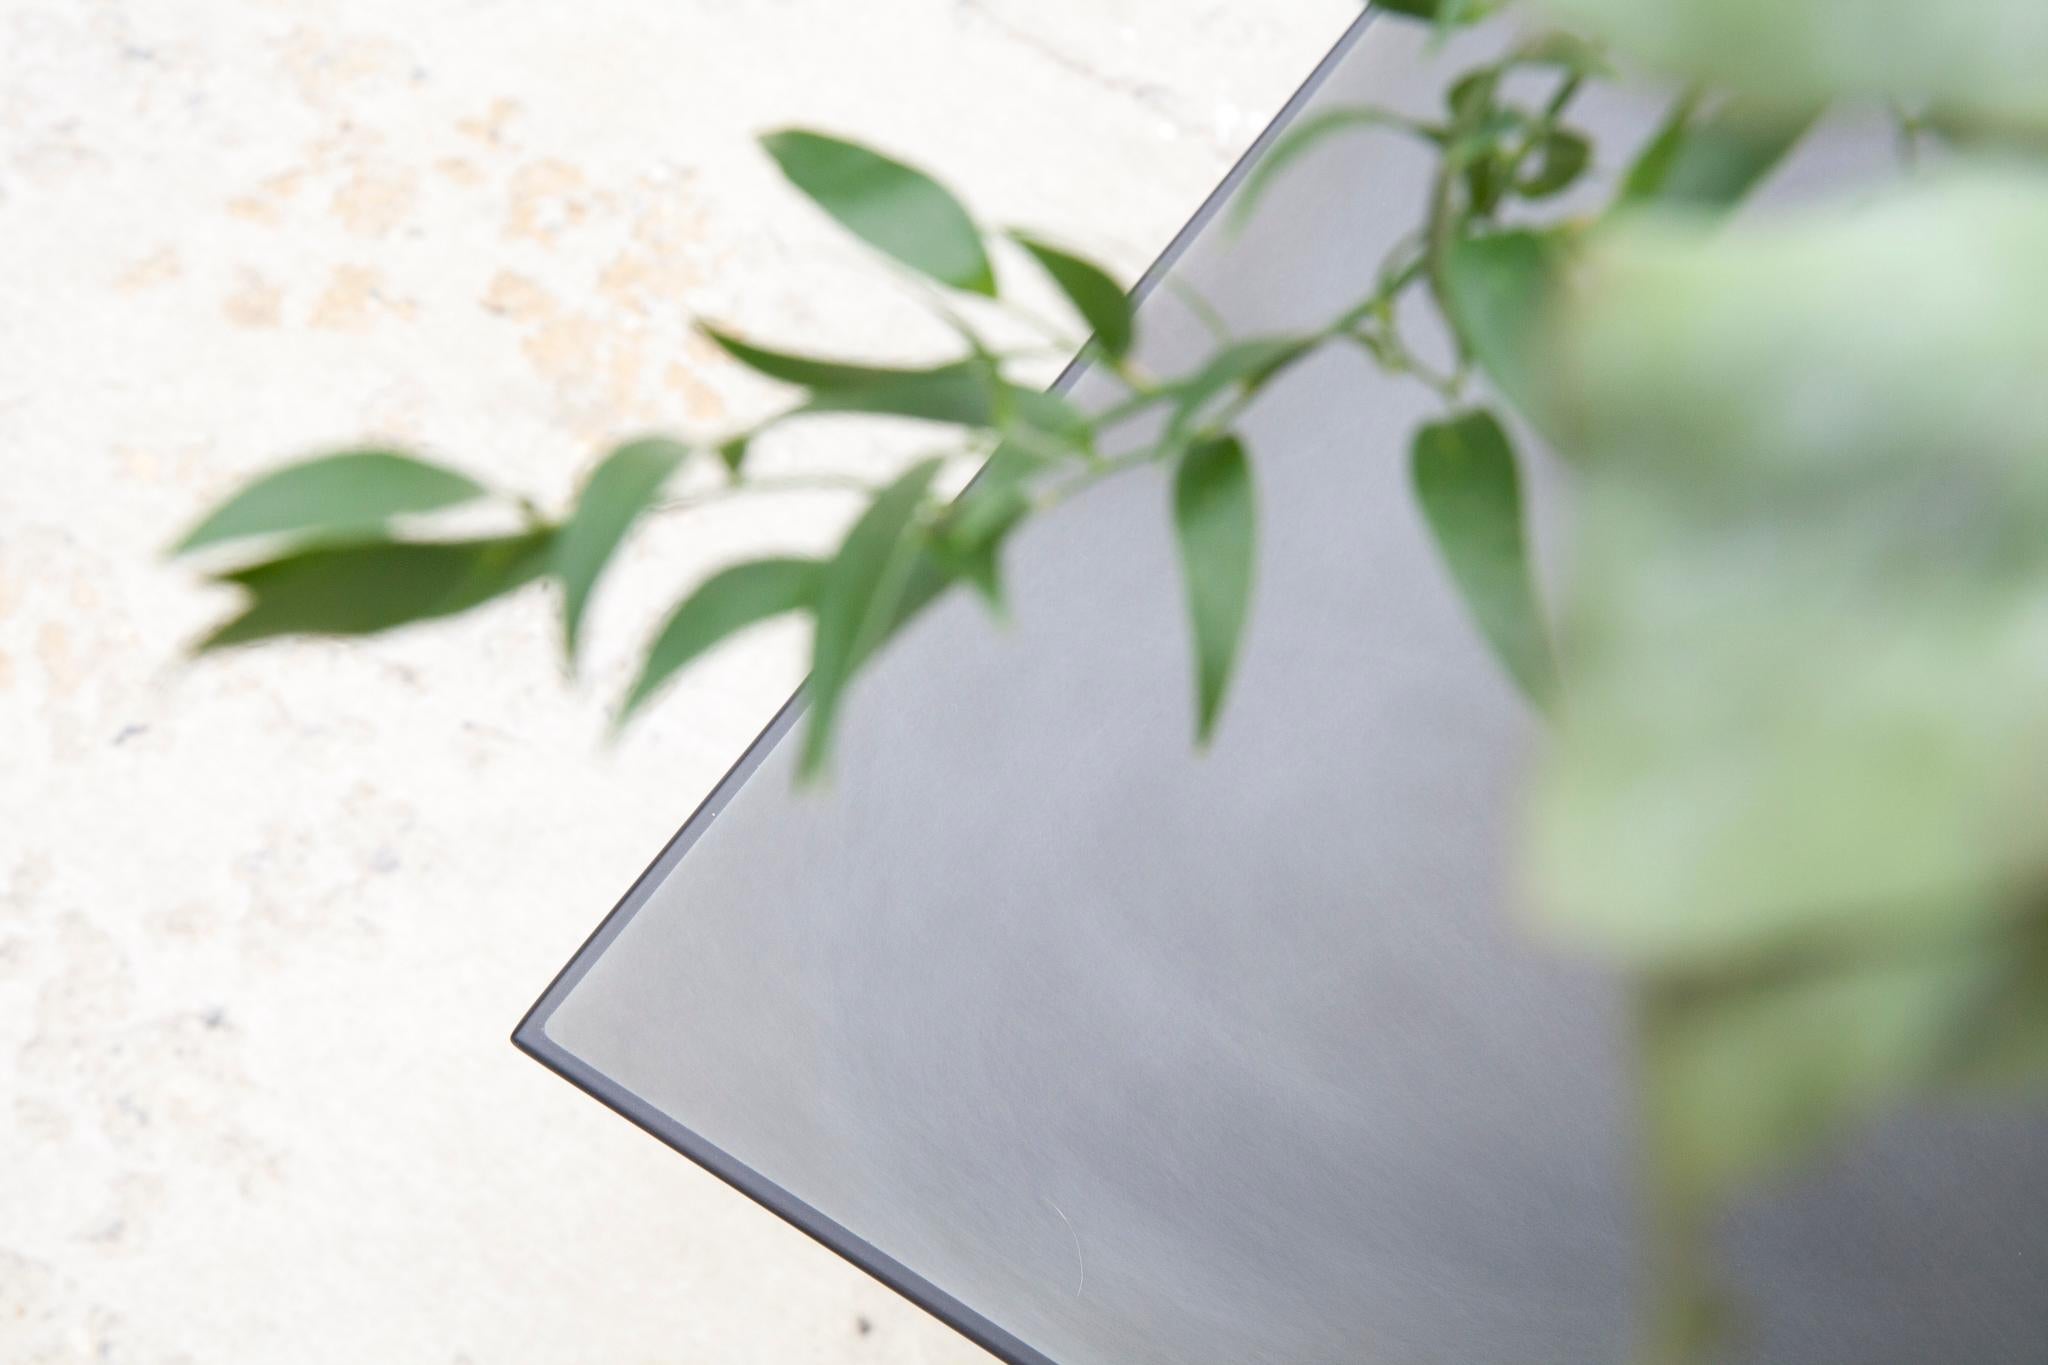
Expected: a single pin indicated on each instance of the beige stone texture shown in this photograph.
(266, 920)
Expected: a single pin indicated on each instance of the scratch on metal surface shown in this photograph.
(1080, 1261)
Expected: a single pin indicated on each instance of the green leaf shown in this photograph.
(1245, 366)
(1497, 287)
(1983, 55)
(971, 551)
(901, 212)
(1979, 135)
(1007, 475)
(860, 599)
(1486, 181)
(1710, 159)
(2007, 1045)
(802, 371)
(1443, 13)
(1805, 623)
(1745, 1075)
(724, 604)
(1099, 299)
(1046, 420)
(1215, 522)
(356, 490)
(971, 534)
(370, 586)
(1561, 158)
(733, 452)
(1452, 14)
(1470, 491)
(1564, 51)
(618, 491)
(963, 392)
(1011, 469)
(1470, 96)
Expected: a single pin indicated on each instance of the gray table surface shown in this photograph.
(1117, 1053)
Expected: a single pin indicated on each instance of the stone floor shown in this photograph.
(265, 921)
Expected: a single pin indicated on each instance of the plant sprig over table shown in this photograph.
(1798, 673)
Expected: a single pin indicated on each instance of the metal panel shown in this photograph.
(1110, 1052)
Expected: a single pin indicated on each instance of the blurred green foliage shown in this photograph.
(1798, 673)
(1808, 616)
(1979, 56)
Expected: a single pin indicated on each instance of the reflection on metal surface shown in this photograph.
(1109, 1052)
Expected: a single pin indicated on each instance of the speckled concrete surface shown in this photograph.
(266, 921)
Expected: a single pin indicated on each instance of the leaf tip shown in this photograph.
(214, 641)
(621, 718)
(779, 142)
(569, 650)
(814, 770)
